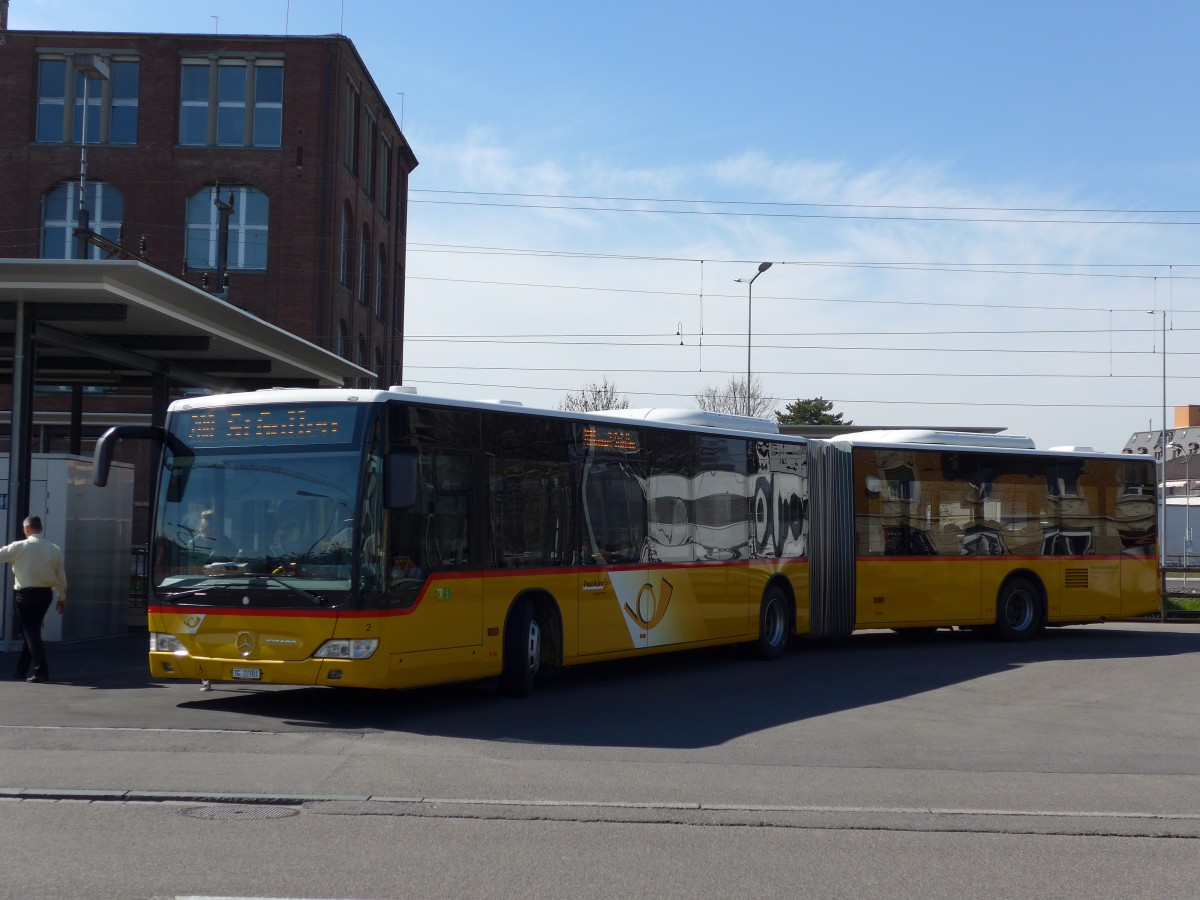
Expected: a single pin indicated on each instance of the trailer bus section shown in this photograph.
(388, 540)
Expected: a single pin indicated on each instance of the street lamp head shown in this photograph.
(91, 67)
(762, 267)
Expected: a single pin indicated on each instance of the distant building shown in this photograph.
(289, 135)
(1182, 441)
(1181, 473)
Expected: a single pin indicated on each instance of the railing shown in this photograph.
(1180, 561)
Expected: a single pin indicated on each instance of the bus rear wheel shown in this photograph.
(522, 650)
(774, 627)
(1018, 610)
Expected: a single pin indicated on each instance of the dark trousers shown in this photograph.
(31, 606)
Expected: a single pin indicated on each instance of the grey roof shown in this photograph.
(114, 321)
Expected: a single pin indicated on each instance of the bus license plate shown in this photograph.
(247, 674)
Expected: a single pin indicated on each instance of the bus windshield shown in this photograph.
(254, 525)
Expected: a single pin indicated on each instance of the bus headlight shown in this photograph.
(166, 643)
(347, 648)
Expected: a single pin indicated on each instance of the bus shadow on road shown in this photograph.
(700, 698)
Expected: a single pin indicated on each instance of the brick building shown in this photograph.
(292, 132)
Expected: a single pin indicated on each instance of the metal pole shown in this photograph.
(762, 267)
(19, 462)
(1162, 470)
(83, 219)
(1187, 518)
(749, 336)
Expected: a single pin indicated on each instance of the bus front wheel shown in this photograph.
(1018, 610)
(774, 628)
(522, 650)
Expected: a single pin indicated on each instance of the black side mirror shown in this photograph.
(107, 444)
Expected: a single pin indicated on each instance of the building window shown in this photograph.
(52, 99)
(193, 109)
(364, 266)
(231, 103)
(112, 103)
(380, 279)
(353, 107)
(370, 151)
(397, 287)
(344, 252)
(401, 198)
(123, 102)
(385, 180)
(379, 369)
(268, 106)
(247, 243)
(341, 339)
(60, 217)
(361, 359)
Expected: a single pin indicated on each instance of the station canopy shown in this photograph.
(122, 324)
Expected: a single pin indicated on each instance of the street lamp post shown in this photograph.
(749, 282)
(92, 68)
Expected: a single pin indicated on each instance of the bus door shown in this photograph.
(531, 504)
(1084, 493)
(724, 545)
(436, 555)
(950, 518)
(923, 533)
(618, 607)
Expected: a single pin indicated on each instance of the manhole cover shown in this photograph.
(240, 813)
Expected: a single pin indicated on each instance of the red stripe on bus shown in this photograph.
(966, 559)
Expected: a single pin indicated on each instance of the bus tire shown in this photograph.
(522, 650)
(774, 628)
(1019, 614)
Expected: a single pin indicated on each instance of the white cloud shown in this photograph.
(644, 303)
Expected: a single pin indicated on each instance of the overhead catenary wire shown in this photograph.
(921, 401)
(770, 297)
(805, 373)
(1145, 271)
(819, 348)
(813, 204)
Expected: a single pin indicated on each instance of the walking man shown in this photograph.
(37, 568)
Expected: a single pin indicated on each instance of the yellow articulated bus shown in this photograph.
(389, 540)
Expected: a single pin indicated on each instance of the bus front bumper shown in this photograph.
(306, 672)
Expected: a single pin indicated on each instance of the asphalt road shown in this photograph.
(879, 766)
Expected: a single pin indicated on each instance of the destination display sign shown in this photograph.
(607, 437)
(248, 426)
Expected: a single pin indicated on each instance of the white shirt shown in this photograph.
(36, 563)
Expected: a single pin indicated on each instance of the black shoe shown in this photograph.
(37, 679)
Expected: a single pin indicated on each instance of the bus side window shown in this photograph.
(447, 526)
(614, 514)
(400, 477)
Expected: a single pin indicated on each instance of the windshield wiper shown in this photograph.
(200, 590)
(251, 581)
(307, 595)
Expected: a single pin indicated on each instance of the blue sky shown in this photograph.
(975, 209)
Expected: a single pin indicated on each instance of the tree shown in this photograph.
(731, 398)
(815, 411)
(594, 396)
